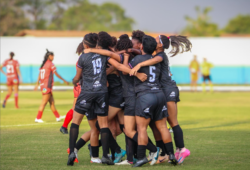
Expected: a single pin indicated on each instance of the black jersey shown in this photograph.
(127, 83)
(94, 77)
(165, 78)
(114, 81)
(152, 84)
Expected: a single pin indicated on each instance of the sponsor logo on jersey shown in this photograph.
(122, 105)
(164, 108)
(103, 104)
(172, 94)
(83, 102)
(97, 84)
(146, 110)
(154, 88)
(44, 90)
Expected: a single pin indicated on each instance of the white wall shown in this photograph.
(31, 50)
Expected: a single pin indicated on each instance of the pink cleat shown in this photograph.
(182, 155)
(177, 153)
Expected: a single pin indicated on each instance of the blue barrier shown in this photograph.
(181, 74)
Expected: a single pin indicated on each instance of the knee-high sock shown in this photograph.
(80, 143)
(150, 146)
(141, 152)
(129, 148)
(113, 144)
(16, 100)
(6, 98)
(105, 141)
(74, 131)
(56, 114)
(160, 144)
(68, 118)
(39, 115)
(178, 137)
(169, 148)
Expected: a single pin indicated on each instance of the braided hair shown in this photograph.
(48, 53)
(179, 44)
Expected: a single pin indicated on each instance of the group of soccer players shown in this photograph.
(121, 86)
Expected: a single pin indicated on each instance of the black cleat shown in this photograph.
(90, 150)
(71, 159)
(107, 161)
(172, 159)
(141, 162)
(64, 130)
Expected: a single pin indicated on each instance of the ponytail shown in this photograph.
(179, 43)
(80, 48)
(48, 53)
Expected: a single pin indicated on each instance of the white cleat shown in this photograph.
(125, 162)
(95, 160)
(60, 118)
(38, 120)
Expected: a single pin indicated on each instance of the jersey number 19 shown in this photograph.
(97, 65)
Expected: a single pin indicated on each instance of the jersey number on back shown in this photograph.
(152, 74)
(42, 73)
(97, 65)
(10, 69)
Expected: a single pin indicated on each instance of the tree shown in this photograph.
(238, 25)
(12, 17)
(201, 26)
(92, 17)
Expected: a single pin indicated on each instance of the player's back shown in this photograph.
(94, 77)
(11, 68)
(152, 84)
(47, 74)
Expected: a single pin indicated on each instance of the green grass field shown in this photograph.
(216, 130)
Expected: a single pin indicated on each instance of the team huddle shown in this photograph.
(122, 86)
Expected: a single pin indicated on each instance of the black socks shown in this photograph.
(80, 143)
(129, 148)
(150, 146)
(95, 151)
(169, 148)
(178, 136)
(141, 151)
(74, 130)
(105, 141)
(160, 144)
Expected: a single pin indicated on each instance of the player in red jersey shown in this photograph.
(13, 77)
(46, 78)
(77, 91)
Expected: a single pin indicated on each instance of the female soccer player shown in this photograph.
(171, 91)
(13, 78)
(46, 78)
(194, 70)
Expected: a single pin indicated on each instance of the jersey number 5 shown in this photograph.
(152, 74)
(42, 73)
(97, 66)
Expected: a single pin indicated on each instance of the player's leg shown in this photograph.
(53, 109)
(204, 83)
(181, 151)
(210, 84)
(16, 94)
(8, 95)
(45, 99)
(68, 118)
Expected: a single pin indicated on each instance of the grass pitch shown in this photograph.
(216, 130)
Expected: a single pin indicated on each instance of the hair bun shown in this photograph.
(124, 36)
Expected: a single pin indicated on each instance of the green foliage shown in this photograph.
(202, 25)
(239, 25)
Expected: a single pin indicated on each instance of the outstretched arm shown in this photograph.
(104, 52)
(19, 74)
(37, 82)
(57, 75)
(123, 68)
(152, 61)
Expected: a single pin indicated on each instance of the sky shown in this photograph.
(169, 15)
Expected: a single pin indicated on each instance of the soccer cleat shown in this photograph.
(183, 154)
(154, 156)
(177, 153)
(68, 150)
(4, 104)
(95, 160)
(162, 159)
(38, 120)
(71, 159)
(125, 162)
(170, 130)
(172, 159)
(90, 150)
(60, 118)
(76, 153)
(107, 161)
(141, 162)
(119, 156)
(134, 160)
(64, 130)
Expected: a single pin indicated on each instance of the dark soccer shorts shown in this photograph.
(116, 97)
(129, 107)
(151, 105)
(171, 94)
(98, 102)
(206, 77)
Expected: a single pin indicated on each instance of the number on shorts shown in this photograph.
(10, 69)
(42, 73)
(97, 65)
(152, 74)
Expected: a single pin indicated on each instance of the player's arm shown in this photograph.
(57, 75)
(125, 62)
(104, 52)
(123, 68)
(37, 82)
(110, 70)
(150, 62)
(1, 69)
(19, 74)
(77, 76)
